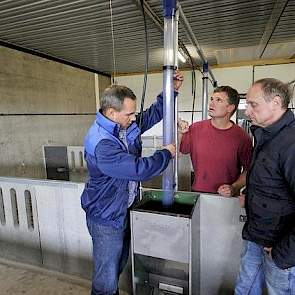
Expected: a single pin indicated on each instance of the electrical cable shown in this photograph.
(212, 82)
(194, 68)
(113, 43)
(193, 94)
(292, 98)
(146, 66)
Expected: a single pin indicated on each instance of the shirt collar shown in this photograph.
(270, 131)
(107, 124)
(286, 119)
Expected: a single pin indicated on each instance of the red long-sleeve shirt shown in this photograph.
(217, 155)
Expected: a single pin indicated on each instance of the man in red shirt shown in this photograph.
(219, 149)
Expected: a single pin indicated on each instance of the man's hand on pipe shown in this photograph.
(178, 79)
(171, 148)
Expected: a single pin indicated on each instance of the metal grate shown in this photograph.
(2, 209)
(14, 207)
(29, 210)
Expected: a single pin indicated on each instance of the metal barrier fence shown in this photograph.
(42, 223)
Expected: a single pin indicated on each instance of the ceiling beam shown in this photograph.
(51, 57)
(270, 27)
(261, 62)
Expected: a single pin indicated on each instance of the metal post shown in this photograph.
(176, 19)
(168, 94)
(205, 92)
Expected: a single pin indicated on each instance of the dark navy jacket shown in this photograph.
(270, 199)
(111, 166)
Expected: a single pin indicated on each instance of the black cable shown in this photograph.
(146, 66)
(194, 68)
(193, 93)
(194, 81)
(212, 82)
(292, 99)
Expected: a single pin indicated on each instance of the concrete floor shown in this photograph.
(20, 279)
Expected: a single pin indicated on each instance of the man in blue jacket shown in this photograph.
(268, 257)
(115, 166)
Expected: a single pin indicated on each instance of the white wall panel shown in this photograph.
(239, 78)
(285, 73)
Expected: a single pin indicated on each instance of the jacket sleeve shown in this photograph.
(284, 251)
(153, 114)
(114, 161)
(287, 166)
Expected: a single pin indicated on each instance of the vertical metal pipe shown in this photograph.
(168, 94)
(205, 92)
(176, 19)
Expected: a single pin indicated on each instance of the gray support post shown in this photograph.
(205, 92)
(168, 94)
(176, 19)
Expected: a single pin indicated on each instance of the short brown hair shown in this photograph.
(232, 94)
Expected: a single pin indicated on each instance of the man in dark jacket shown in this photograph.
(115, 166)
(268, 257)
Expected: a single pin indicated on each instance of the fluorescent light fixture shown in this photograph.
(181, 57)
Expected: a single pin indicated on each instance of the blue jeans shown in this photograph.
(110, 255)
(258, 270)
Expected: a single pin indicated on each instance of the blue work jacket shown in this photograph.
(111, 165)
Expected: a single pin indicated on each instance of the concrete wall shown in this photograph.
(42, 102)
(47, 103)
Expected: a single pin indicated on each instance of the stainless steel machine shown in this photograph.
(192, 247)
(164, 244)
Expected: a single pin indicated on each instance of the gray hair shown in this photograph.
(113, 97)
(273, 87)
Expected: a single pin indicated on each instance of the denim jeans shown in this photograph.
(258, 270)
(110, 255)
